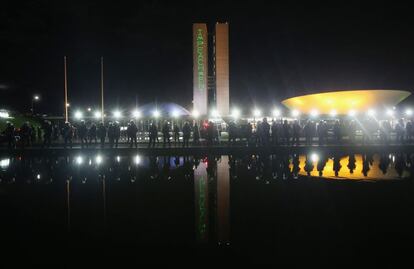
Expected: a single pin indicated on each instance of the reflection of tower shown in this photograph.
(216, 85)
(223, 201)
(201, 202)
(212, 200)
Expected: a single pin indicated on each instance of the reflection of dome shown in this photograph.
(165, 110)
(344, 101)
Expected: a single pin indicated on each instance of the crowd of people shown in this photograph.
(260, 133)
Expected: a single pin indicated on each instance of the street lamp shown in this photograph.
(78, 115)
(195, 114)
(117, 114)
(235, 113)
(156, 114)
(276, 113)
(97, 114)
(35, 98)
(295, 113)
(136, 114)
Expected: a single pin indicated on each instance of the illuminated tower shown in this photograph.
(200, 68)
(222, 69)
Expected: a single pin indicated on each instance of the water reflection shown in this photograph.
(208, 176)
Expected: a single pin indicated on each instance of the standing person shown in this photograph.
(186, 134)
(166, 134)
(82, 133)
(111, 134)
(176, 131)
(275, 133)
(32, 134)
(117, 133)
(296, 132)
(92, 134)
(39, 134)
(385, 131)
(153, 135)
(25, 134)
(409, 131)
(399, 130)
(258, 134)
(265, 132)
(307, 129)
(337, 132)
(102, 134)
(10, 135)
(322, 132)
(286, 132)
(232, 133)
(210, 133)
(196, 134)
(47, 134)
(352, 131)
(67, 135)
(249, 133)
(132, 134)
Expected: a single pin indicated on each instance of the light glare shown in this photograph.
(78, 115)
(117, 114)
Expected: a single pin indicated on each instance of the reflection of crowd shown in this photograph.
(259, 167)
(208, 133)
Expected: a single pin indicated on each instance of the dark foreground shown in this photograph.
(209, 211)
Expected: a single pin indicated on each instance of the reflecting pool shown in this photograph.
(236, 209)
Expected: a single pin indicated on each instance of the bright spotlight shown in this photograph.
(89, 109)
(136, 114)
(36, 97)
(295, 113)
(79, 160)
(117, 114)
(276, 113)
(409, 112)
(97, 114)
(215, 114)
(195, 114)
(314, 157)
(371, 113)
(175, 114)
(4, 163)
(78, 115)
(137, 159)
(118, 159)
(390, 112)
(352, 113)
(38, 176)
(235, 113)
(4, 114)
(257, 113)
(314, 113)
(67, 105)
(156, 114)
(98, 159)
(333, 113)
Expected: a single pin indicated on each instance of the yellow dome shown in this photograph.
(344, 101)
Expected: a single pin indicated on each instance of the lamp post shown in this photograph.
(34, 99)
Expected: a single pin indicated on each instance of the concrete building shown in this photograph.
(200, 68)
(222, 69)
(208, 71)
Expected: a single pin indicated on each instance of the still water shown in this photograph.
(236, 209)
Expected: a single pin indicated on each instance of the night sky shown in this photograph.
(276, 51)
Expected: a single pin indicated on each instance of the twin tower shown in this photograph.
(211, 80)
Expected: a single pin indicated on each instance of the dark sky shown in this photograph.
(276, 51)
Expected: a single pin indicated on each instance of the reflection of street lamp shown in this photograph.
(35, 98)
